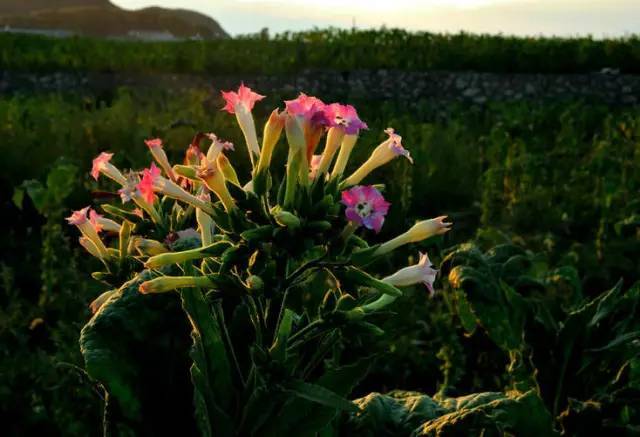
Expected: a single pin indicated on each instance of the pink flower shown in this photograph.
(309, 107)
(347, 117)
(99, 162)
(395, 144)
(244, 97)
(365, 206)
(146, 185)
(153, 143)
(79, 217)
(94, 219)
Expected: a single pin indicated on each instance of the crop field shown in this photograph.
(533, 328)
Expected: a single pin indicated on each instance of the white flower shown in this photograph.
(423, 272)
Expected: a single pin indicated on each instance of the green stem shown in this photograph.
(227, 337)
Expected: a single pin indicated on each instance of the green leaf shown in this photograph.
(321, 395)
(359, 277)
(279, 348)
(211, 370)
(415, 414)
(60, 182)
(18, 197)
(137, 346)
(37, 194)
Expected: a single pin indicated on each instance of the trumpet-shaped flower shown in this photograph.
(147, 184)
(85, 226)
(315, 116)
(309, 107)
(155, 147)
(153, 182)
(344, 131)
(385, 152)
(244, 97)
(210, 173)
(418, 232)
(102, 165)
(89, 246)
(423, 272)
(102, 224)
(365, 206)
(130, 192)
(346, 117)
(217, 147)
(241, 103)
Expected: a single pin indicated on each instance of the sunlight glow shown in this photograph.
(516, 17)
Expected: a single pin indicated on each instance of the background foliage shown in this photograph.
(556, 181)
(325, 49)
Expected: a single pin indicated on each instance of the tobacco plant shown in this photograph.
(270, 270)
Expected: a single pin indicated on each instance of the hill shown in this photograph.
(101, 18)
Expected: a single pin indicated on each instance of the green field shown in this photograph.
(558, 180)
(333, 49)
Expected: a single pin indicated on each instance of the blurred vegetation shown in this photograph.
(324, 49)
(557, 179)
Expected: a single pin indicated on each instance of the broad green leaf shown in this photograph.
(137, 346)
(320, 395)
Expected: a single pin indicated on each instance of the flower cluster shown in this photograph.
(310, 177)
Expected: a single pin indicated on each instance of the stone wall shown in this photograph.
(469, 87)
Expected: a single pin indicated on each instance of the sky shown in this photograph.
(600, 18)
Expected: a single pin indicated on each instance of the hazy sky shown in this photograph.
(520, 17)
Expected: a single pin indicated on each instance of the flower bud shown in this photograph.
(255, 283)
(272, 132)
(418, 232)
(97, 303)
(285, 218)
(346, 147)
(334, 138)
(146, 247)
(227, 170)
(169, 283)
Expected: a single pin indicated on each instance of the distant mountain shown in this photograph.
(101, 18)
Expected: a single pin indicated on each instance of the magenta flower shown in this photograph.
(365, 206)
(146, 185)
(244, 97)
(347, 117)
